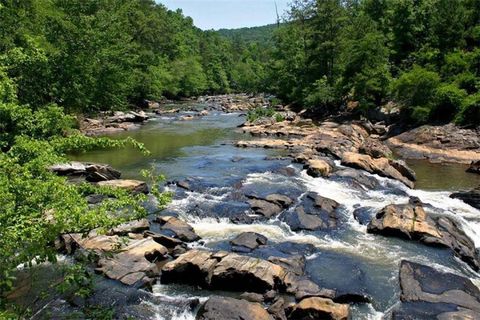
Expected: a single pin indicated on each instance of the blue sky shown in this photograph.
(216, 14)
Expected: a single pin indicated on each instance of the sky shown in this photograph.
(217, 14)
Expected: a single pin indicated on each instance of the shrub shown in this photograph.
(260, 112)
(321, 95)
(416, 87)
(420, 114)
(468, 82)
(470, 111)
(449, 99)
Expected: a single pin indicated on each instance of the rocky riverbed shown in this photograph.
(273, 220)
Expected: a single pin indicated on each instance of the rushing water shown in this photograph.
(344, 259)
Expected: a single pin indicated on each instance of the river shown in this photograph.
(346, 258)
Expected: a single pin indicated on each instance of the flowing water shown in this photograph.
(347, 259)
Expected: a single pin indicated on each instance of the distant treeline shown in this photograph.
(90, 55)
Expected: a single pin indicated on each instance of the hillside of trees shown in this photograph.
(422, 55)
(262, 35)
(96, 55)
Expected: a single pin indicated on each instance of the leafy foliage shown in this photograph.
(88, 56)
(37, 205)
(423, 54)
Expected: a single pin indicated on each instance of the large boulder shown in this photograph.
(241, 273)
(98, 172)
(177, 228)
(412, 222)
(134, 264)
(381, 166)
(131, 116)
(93, 172)
(93, 241)
(248, 241)
(318, 168)
(70, 168)
(224, 308)
(357, 179)
(279, 199)
(133, 186)
(375, 149)
(402, 167)
(136, 226)
(471, 197)
(427, 293)
(314, 213)
(265, 208)
(224, 271)
(319, 308)
(269, 206)
(447, 143)
(474, 167)
(407, 221)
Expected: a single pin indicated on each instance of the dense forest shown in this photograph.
(423, 56)
(61, 58)
(262, 35)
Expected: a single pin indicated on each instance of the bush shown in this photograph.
(321, 95)
(47, 122)
(470, 111)
(468, 82)
(8, 89)
(449, 99)
(260, 112)
(420, 115)
(416, 87)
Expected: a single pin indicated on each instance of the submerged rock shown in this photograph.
(427, 293)
(224, 308)
(471, 197)
(319, 308)
(248, 241)
(412, 222)
(381, 166)
(351, 281)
